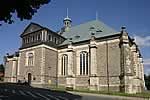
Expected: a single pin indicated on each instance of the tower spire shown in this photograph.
(67, 13)
(67, 22)
(96, 15)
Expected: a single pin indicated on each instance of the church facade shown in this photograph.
(87, 56)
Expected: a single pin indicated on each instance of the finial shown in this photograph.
(96, 15)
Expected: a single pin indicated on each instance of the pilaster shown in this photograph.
(94, 80)
(126, 72)
(70, 79)
(42, 66)
(93, 57)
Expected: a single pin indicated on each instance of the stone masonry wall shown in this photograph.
(34, 70)
(50, 65)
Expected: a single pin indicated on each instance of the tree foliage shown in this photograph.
(1, 68)
(147, 81)
(24, 9)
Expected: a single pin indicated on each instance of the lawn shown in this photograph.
(142, 95)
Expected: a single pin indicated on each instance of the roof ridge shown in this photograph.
(92, 21)
(83, 23)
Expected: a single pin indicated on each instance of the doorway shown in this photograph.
(29, 78)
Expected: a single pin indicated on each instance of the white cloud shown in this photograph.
(142, 41)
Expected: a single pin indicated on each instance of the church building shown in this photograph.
(87, 56)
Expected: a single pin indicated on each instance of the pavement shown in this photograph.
(21, 92)
(89, 96)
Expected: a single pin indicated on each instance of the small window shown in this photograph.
(49, 37)
(28, 40)
(92, 28)
(77, 36)
(33, 39)
(99, 31)
(55, 40)
(39, 37)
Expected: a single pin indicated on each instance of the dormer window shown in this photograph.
(92, 27)
(99, 31)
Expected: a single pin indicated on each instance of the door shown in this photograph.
(29, 78)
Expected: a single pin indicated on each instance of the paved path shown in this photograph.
(19, 92)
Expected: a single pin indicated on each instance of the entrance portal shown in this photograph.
(29, 78)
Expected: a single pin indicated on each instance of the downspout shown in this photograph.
(107, 65)
(57, 70)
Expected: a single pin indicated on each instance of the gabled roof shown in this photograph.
(32, 27)
(83, 32)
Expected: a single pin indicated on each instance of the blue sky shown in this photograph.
(134, 14)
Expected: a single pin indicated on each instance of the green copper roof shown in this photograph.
(83, 32)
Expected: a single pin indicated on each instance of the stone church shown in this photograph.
(87, 56)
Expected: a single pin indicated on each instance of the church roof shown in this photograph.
(83, 32)
(32, 27)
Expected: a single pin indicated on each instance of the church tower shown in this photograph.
(67, 22)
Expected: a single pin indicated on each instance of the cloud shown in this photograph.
(142, 41)
(147, 66)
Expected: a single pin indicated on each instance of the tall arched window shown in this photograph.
(30, 59)
(84, 63)
(64, 64)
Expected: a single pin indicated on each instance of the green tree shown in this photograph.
(1, 68)
(147, 81)
(1, 72)
(24, 9)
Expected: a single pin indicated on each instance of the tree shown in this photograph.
(2, 68)
(1, 72)
(24, 9)
(147, 81)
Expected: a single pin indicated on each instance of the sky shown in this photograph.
(134, 14)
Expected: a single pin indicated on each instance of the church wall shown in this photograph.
(113, 65)
(8, 71)
(11, 65)
(50, 65)
(113, 60)
(34, 70)
(61, 81)
(82, 82)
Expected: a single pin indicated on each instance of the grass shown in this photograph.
(60, 88)
(142, 95)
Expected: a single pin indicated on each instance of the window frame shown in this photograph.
(64, 64)
(84, 63)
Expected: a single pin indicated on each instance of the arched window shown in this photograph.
(64, 64)
(84, 63)
(30, 59)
